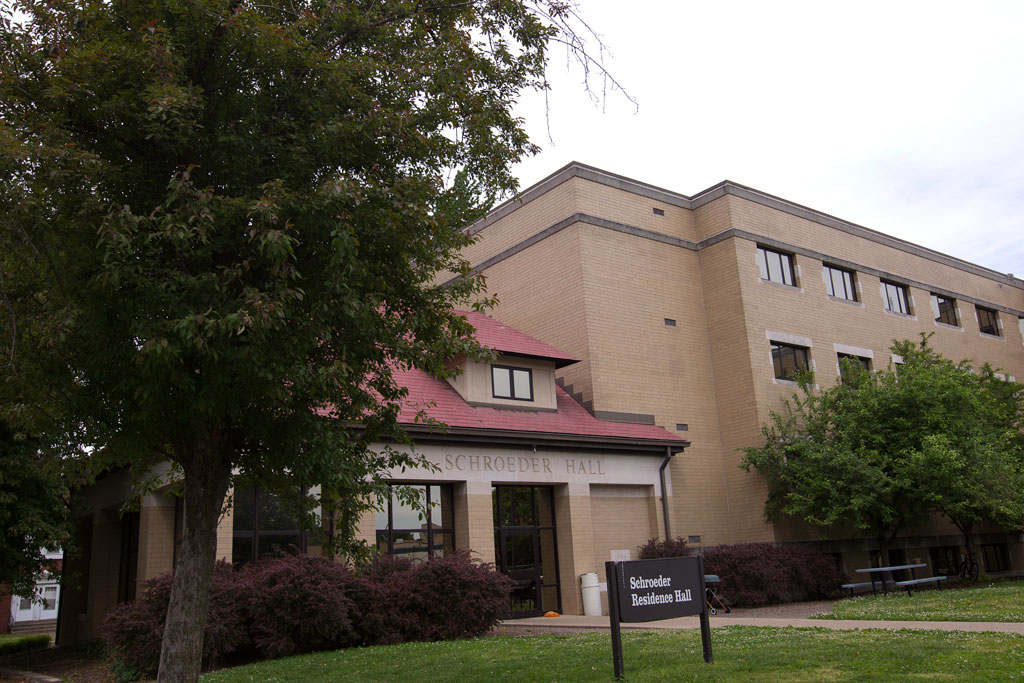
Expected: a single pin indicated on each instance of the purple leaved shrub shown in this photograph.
(755, 574)
(133, 630)
(299, 603)
(672, 547)
(445, 598)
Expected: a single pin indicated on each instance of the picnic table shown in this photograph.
(881, 571)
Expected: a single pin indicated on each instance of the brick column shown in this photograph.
(574, 525)
(156, 538)
(474, 519)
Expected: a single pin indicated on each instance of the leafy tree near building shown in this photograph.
(881, 450)
(222, 224)
(33, 511)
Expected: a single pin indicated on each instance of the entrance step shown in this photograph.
(29, 627)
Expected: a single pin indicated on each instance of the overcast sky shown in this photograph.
(904, 117)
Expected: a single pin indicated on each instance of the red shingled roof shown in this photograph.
(501, 337)
(440, 401)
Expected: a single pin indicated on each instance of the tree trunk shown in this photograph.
(206, 481)
(968, 545)
(883, 551)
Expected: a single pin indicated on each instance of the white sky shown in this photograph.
(904, 117)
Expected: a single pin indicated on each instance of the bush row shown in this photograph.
(755, 574)
(296, 604)
(19, 644)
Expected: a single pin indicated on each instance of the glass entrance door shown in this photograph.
(525, 547)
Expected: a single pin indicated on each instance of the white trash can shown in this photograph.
(591, 594)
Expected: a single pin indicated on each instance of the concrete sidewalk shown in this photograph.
(581, 622)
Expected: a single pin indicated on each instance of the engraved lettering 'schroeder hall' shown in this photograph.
(676, 319)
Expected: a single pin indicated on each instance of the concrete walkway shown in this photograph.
(580, 622)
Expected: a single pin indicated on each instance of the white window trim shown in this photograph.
(848, 350)
(787, 338)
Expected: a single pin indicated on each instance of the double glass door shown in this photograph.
(526, 548)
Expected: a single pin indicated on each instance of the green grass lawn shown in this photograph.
(1000, 601)
(742, 653)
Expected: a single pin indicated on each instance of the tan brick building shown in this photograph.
(680, 308)
(523, 475)
(656, 320)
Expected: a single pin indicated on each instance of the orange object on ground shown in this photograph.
(552, 614)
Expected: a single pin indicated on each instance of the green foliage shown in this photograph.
(224, 222)
(11, 645)
(33, 511)
(879, 450)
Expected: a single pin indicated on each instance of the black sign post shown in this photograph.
(648, 590)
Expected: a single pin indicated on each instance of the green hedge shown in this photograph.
(17, 644)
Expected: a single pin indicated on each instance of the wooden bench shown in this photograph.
(918, 582)
(854, 586)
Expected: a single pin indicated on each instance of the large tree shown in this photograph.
(880, 450)
(222, 222)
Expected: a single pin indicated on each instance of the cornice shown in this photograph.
(576, 169)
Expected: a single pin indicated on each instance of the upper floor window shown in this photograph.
(944, 309)
(514, 383)
(775, 266)
(848, 362)
(839, 283)
(788, 360)
(988, 321)
(896, 299)
(417, 521)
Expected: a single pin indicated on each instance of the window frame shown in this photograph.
(996, 557)
(939, 300)
(777, 363)
(786, 266)
(849, 282)
(994, 321)
(864, 361)
(904, 297)
(512, 369)
(255, 533)
(390, 531)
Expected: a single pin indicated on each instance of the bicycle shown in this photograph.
(969, 569)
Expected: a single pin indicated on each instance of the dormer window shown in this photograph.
(512, 383)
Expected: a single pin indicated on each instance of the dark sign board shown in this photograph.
(660, 589)
(646, 590)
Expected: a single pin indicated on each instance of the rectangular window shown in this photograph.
(988, 321)
(839, 283)
(775, 266)
(514, 383)
(997, 559)
(788, 360)
(945, 560)
(262, 528)
(849, 364)
(944, 310)
(896, 299)
(417, 521)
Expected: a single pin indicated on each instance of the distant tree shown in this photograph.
(222, 225)
(880, 450)
(33, 511)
